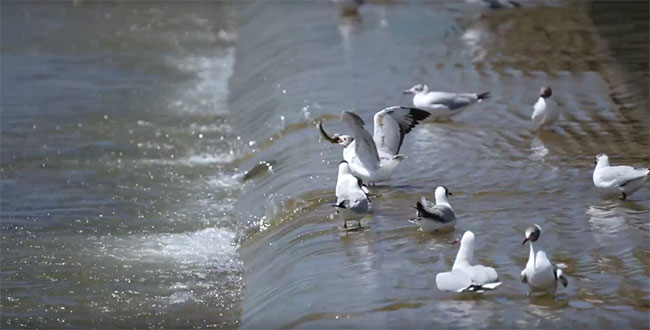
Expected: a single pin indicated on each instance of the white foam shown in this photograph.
(225, 180)
(209, 91)
(211, 247)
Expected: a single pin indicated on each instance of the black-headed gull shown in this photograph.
(352, 203)
(443, 105)
(545, 112)
(540, 274)
(373, 158)
(623, 179)
(465, 277)
(439, 216)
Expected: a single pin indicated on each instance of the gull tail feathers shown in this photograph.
(478, 288)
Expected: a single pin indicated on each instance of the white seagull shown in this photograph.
(545, 112)
(540, 274)
(439, 216)
(443, 105)
(623, 179)
(352, 203)
(373, 159)
(463, 276)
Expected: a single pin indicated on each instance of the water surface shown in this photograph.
(127, 130)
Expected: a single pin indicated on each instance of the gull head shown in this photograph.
(442, 190)
(417, 89)
(532, 234)
(441, 193)
(601, 159)
(344, 140)
(467, 238)
(545, 91)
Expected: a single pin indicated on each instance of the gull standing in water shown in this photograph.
(443, 105)
(439, 216)
(545, 112)
(352, 203)
(540, 274)
(373, 159)
(464, 277)
(623, 179)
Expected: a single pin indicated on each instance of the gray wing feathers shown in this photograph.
(452, 100)
(364, 145)
(434, 212)
(391, 124)
(622, 175)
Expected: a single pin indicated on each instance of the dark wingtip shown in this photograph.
(418, 114)
(419, 207)
(484, 95)
(515, 4)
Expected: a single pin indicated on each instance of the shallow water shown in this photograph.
(127, 131)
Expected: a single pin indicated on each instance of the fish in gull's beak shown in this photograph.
(325, 136)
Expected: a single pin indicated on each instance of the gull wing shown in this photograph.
(391, 124)
(461, 281)
(452, 101)
(365, 147)
(453, 281)
(438, 213)
(621, 175)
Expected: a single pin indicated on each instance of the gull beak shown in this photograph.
(324, 134)
(525, 240)
(408, 91)
(450, 193)
(454, 242)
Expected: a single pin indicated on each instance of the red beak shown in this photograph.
(454, 241)
(524, 242)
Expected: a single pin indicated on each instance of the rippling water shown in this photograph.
(129, 129)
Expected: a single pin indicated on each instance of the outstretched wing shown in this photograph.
(391, 124)
(365, 147)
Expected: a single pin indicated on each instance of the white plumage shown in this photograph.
(465, 277)
(540, 274)
(618, 179)
(443, 105)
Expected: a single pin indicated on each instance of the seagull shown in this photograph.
(373, 159)
(623, 179)
(433, 217)
(540, 274)
(463, 276)
(443, 105)
(545, 112)
(352, 201)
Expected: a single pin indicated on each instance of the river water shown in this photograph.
(128, 130)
